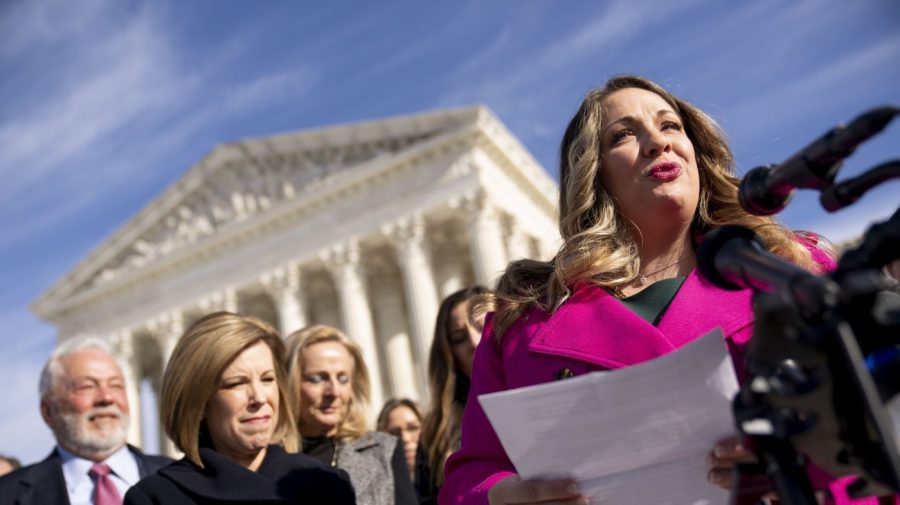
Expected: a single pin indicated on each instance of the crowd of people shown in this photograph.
(261, 418)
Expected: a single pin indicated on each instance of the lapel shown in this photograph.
(145, 465)
(593, 326)
(699, 307)
(352, 460)
(46, 481)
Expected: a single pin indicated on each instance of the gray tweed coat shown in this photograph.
(368, 461)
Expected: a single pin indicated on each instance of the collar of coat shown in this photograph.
(595, 327)
(280, 477)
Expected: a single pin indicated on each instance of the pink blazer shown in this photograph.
(590, 331)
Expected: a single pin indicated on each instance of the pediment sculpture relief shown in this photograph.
(241, 189)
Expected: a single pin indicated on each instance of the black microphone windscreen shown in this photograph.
(712, 246)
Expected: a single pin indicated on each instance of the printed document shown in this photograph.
(635, 435)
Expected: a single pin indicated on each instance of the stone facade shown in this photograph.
(364, 226)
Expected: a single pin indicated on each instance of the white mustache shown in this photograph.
(104, 411)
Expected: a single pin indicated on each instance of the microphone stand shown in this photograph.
(809, 394)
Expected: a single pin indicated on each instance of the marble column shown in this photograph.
(485, 236)
(123, 344)
(343, 261)
(517, 242)
(548, 248)
(283, 285)
(388, 306)
(167, 328)
(408, 238)
(451, 285)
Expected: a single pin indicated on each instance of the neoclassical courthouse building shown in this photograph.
(363, 226)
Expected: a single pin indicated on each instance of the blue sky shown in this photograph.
(106, 103)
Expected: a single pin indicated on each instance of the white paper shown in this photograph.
(635, 435)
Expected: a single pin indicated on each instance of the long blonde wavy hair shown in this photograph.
(597, 245)
(356, 423)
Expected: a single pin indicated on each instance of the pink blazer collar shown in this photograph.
(593, 326)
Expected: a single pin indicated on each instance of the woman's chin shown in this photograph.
(320, 428)
(258, 441)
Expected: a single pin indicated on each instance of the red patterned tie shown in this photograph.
(105, 492)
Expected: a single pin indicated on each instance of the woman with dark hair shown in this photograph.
(643, 175)
(401, 417)
(457, 332)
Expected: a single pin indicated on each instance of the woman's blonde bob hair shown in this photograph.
(195, 368)
(598, 246)
(356, 423)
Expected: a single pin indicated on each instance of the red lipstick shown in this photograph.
(665, 171)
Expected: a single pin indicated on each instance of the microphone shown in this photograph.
(879, 247)
(767, 189)
(734, 258)
(837, 196)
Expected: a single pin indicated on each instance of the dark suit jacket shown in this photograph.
(43, 483)
(281, 478)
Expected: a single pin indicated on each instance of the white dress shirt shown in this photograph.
(124, 474)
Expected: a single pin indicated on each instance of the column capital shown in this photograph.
(280, 279)
(474, 205)
(166, 327)
(122, 343)
(405, 231)
(225, 299)
(166, 321)
(341, 255)
(283, 285)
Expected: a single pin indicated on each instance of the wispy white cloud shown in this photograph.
(25, 25)
(520, 82)
(489, 55)
(851, 222)
(794, 96)
(129, 102)
(27, 345)
(269, 88)
(610, 29)
(24, 434)
(124, 77)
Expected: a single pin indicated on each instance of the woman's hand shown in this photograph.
(722, 459)
(515, 490)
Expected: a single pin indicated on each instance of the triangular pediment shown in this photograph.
(242, 180)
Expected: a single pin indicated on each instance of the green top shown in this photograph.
(651, 303)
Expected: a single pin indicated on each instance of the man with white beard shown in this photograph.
(83, 401)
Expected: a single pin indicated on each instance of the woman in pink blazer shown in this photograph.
(643, 175)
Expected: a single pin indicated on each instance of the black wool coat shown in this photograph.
(281, 478)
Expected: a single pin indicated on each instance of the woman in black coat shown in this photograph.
(223, 405)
